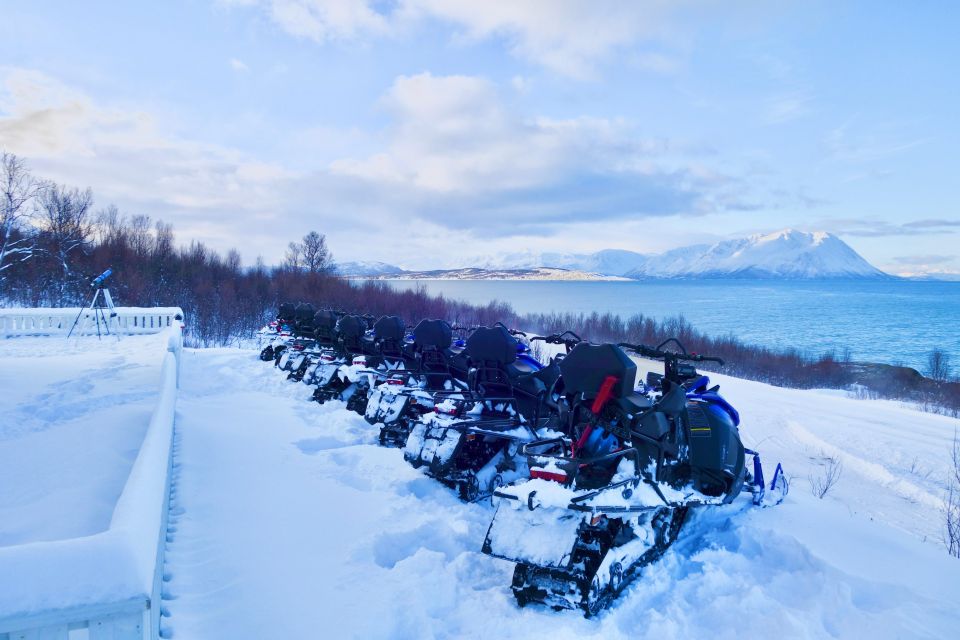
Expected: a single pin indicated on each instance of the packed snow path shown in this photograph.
(289, 522)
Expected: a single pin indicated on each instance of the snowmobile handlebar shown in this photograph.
(658, 353)
(560, 338)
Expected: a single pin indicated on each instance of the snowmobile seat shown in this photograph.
(286, 312)
(635, 403)
(350, 330)
(324, 323)
(389, 328)
(303, 317)
(587, 366)
(432, 333)
(492, 345)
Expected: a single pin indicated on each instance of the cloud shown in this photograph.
(567, 36)
(326, 20)
(127, 158)
(238, 65)
(456, 165)
(870, 228)
(925, 260)
(459, 155)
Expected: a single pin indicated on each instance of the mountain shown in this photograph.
(475, 273)
(364, 269)
(788, 254)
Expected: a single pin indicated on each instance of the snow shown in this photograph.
(85, 478)
(288, 521)
(292, 523)
(72, 418)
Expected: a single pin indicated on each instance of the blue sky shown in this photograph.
(422, 132)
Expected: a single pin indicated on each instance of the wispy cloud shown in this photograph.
(571, 38)
(874, 228)
(238, 65)
(924, 260)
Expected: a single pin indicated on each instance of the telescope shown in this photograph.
(100, 279)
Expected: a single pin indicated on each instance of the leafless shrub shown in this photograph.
(951, 510)
(938, 365)
(829, 475)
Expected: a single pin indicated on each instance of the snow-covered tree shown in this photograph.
(17, 189)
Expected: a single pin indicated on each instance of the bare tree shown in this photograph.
(829, 476)
(17, 189)
(66, 228)
(938, 365)
(316, 256)
(951, 510)
(294, 257)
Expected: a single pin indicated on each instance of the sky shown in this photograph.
(424, 133)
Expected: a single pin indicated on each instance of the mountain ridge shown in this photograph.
(785, 254)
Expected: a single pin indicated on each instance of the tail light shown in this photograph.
(395, 381)
(556, 476)
(327, 358)
(298, 347)
(450, 411)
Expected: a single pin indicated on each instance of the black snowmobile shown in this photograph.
(278, 333)
(302, 337)
(324, 344)
(435, 367)
(367, 356)
(611, 498)
(472, 438)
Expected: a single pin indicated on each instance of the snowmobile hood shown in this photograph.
(716, 400)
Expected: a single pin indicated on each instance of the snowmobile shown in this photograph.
(610, 499)
(435, 366)
(472, 438)
(278, 332)
(303, 355)
(301, 336)
(368, 356)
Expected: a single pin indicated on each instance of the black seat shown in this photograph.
(587, 366)
(324, 324)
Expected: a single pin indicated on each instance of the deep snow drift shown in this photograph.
(289, 522)
(73, 415)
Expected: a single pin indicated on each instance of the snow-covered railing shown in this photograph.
(108, 583)
(56, 321)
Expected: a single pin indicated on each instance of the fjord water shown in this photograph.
(888, 321)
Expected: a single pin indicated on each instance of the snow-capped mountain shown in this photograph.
(783, 254)
(361, 269)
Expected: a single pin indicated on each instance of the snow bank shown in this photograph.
(116, 565)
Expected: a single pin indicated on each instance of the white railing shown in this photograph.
(110, 583)
(45, 322)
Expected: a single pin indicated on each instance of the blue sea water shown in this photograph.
(889, 321)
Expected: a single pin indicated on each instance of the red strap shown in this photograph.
(606, 391)
(578, 445)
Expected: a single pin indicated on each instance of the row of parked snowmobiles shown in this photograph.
(592, 473)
